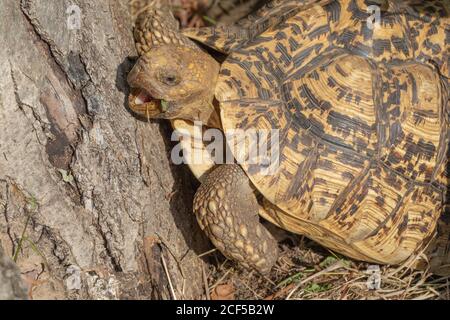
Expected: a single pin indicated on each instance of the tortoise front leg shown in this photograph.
(227, 210)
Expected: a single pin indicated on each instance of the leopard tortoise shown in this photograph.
(362, 111)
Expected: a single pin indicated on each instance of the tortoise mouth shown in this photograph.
(144, 104)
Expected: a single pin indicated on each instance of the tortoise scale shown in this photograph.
(362, 112)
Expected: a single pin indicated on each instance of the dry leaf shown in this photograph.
(223, 292)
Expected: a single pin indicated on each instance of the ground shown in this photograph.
(308, 271)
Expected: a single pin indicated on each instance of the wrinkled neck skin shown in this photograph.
(206, 113)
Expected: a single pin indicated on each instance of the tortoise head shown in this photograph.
(173, 81)
(173, 78)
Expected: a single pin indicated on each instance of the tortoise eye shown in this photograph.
(170, 79)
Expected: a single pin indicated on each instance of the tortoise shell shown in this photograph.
(362, 114)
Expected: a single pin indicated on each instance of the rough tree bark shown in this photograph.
(11, 285)
(89, 204)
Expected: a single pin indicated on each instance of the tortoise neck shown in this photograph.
(208, 110)
(208, 113)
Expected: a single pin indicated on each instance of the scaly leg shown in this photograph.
(226, 208)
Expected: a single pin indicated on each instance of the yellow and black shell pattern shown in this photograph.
(363, 117)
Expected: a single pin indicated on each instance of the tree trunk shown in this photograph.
(11, 285)
(90, 206)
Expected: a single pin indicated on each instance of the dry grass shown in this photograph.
(307, 271)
